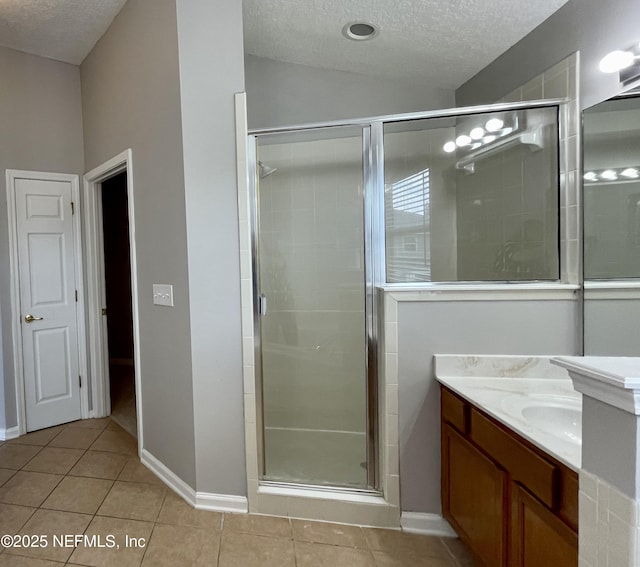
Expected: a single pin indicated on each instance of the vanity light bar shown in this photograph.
(479, 137)
(610, 175)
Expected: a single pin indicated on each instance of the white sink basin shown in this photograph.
(555, 414)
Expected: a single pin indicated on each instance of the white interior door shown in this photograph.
(48, 301)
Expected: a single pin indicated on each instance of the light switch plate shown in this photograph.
(163, 294)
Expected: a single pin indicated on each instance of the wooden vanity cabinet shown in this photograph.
(510, 502)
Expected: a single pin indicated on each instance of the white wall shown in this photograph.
(40, 130)
(280, 94)
(131, 99)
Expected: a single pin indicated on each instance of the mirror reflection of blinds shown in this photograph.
(408, 230)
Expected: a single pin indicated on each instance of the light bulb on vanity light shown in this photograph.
(630, 173)
(590, 176)
(494, 124)
(463, 140)
(449, 147)
(476, 133)
(616, 61)
(609, 175)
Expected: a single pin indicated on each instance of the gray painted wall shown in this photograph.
(131, 99)
(603, 453)
(40, 130)
(281, 93)
(611, 327)
(211, 71)
(592, 27)
(473, 327)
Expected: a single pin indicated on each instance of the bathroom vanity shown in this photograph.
(513, 502)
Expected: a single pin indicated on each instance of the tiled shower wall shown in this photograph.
(312, 273)
(561, 81)
(508, 209)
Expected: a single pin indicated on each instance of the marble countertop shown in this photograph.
(499, 385)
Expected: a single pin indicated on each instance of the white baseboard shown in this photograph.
(9, 433)
(430, 524)
(166, 475)
(222, 502)
(200, 500)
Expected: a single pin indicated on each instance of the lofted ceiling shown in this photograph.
(440, 43)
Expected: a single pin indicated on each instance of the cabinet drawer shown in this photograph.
(539, 475)
(454, 410)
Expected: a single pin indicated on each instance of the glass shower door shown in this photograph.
(311, 295)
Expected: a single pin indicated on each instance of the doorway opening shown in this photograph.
(119, 316)
(112, 294)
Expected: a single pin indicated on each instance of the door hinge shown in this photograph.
(104, 310)
(80, 380)
(73, 208)
(76, 295)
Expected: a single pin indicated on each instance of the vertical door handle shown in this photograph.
(262, 305)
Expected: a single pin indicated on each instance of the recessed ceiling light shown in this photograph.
(359, 31)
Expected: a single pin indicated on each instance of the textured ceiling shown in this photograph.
(65, 30)
(440, 43)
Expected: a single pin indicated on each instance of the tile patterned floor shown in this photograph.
(85, 478)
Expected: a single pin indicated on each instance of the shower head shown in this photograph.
(266, 170)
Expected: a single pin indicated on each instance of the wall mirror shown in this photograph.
(611, 200)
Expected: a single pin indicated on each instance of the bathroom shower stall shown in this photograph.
(340, 210)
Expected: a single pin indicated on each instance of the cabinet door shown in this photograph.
(474, 497)
(537, 536)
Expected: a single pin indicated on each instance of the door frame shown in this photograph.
(16, 315)
(96, 293)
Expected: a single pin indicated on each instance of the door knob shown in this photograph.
(30, 318)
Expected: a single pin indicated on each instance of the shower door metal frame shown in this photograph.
(373, 196)
(375, 263)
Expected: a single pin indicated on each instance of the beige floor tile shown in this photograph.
(41, 437)
(28, 488)
(409, 558)
(113, 426)
(5, 475)
(332, 534)
(7, 560)
(135, 471)
(121, 555)
(78, 494)
(392, 541)
(98, 464)
(249, 550)
(50, 523)
(75, 438)
(13, 517)
(320, 555)
(15, 456)
(257, 524)
(133, 500)
(459, 552)
(178, 512)
(116, 442)
(55, 460)
(100, 423)
(182, 545)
